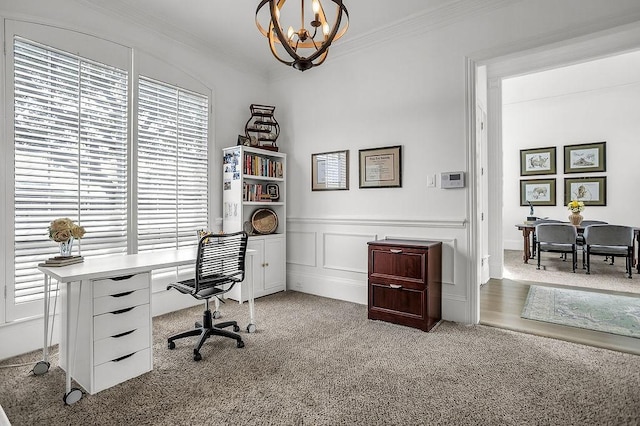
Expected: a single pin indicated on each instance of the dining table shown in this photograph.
(529, 249)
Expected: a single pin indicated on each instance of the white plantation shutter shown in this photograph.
(70, 119)
(172, 166)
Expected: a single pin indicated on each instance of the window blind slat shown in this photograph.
(172, 166)
(70, 157)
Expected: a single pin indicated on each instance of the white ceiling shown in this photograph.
(228, 27)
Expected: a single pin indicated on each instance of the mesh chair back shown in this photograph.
(556, 233)
(608, 235)
(220, 261)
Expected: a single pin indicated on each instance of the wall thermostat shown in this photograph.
(450, 180)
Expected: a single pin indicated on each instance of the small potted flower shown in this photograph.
(575, 207)
(64, 231)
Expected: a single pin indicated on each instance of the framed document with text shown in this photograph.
(381, 167)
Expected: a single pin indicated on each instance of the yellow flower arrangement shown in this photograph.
(62, 229)
(575, 206)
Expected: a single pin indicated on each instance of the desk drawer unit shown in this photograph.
(405, 282)
(111, 342)
(121, 330)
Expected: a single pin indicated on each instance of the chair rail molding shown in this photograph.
(430, 223)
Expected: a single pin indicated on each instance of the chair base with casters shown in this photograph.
(205, 330)
(220, 264)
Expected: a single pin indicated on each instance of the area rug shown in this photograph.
(585, 309)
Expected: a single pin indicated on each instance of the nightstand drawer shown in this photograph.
(119, 370)
(117, 322)
(118, 301)
(118, 285)
(120, 345)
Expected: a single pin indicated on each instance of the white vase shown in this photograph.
(66, 247)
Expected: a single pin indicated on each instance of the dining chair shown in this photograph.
(534, 238)
(609, 240)
(557, 238)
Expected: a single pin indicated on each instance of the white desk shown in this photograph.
(110, 273)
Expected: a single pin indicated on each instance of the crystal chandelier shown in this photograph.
(306, 47)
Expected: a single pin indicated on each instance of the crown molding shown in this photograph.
(416, 24)
(124, 12)
(421, 22)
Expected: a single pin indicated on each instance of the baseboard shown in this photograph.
(453, 307)
(332, 287)
(166, 301)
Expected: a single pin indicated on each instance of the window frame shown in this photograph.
(135, 63)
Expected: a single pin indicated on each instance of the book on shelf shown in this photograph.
(62, 261)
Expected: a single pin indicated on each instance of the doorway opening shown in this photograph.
(517, 91)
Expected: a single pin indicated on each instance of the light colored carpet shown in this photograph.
(554, 270)
(610, 313)
(318, 361)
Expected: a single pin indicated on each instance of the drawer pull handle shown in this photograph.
(122, 357)
(396, 251)
(126, 293)
(396, 286)
(115, 336)
(124, 277)
(122, 311)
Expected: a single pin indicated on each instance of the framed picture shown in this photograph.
(588, 157)
(381, 167)
(539, 161)
(592, 191)
(243, 140)
(538, 192)
(273, 190)
(330, 171)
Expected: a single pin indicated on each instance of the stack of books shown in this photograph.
(62, 261)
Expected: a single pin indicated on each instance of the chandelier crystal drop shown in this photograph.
(306, 47)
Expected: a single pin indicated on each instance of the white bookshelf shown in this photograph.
(247, 173)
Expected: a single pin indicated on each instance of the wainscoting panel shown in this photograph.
(334, 287)
(341, 271)
(346, 252)
(301, 248)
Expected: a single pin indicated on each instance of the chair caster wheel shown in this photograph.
(236, 328)
(73, 396)
(216, 314)
(251, 328)
(171, 345)
(240, 344)
(196, 355)
(197, 324)
(41, 368)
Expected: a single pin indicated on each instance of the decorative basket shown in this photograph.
(264, 221)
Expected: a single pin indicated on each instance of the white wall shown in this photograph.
(410, 91)
(590, 102)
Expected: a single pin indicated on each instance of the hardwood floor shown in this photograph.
(502, 301)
